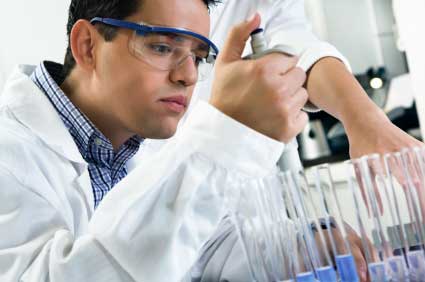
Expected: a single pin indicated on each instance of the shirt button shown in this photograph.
(98, 142)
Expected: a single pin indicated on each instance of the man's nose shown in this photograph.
(186, 71)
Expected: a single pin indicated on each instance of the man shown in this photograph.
(68, 131)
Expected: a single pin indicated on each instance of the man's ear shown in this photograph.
(83, 40)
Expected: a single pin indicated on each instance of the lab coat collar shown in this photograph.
(31, 107)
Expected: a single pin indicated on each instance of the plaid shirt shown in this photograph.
(106, 167)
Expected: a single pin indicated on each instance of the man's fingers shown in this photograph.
(237, 38)
(301, 121)
(360, 262)
(294, 80)
(278, 63)
(356, 250)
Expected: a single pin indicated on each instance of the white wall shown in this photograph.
(31, 31)
(411, 20)
(349, 29)
(2, 72)
(361, 29)
(393, 58)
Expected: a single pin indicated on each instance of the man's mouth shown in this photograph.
(176, 104)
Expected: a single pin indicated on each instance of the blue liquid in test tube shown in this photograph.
(347, 268)
(306, 277)
(326, 274)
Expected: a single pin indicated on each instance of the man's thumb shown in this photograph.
(236, 40)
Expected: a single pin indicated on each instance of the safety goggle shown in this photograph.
(166, 48)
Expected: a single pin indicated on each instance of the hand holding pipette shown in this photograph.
(265, 94)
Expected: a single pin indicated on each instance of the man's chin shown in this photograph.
(163, 134)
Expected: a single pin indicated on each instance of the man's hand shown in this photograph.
(265, 94)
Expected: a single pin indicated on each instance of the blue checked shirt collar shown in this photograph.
(106, 166)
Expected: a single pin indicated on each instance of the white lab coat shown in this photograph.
(150, 227)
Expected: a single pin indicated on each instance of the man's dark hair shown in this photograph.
(88, 9)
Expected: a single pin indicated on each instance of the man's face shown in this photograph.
(139, 98)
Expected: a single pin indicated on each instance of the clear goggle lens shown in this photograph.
(167, 51)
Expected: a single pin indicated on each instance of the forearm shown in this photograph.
(333, 88)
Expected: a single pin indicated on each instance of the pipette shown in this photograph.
(290, 159)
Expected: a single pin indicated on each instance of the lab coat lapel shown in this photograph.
(30, 106)
(83, 184)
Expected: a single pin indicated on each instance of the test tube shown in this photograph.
(367, 217)
(324, 267)
(304, 270)
(268, 236)
(398, 172)
(387, 224)
(415, 182)
(273, 215)
(380, 210)
(245, 217)
(415, 171)
(344, 259)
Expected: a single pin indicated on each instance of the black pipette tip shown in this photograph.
(258, 30)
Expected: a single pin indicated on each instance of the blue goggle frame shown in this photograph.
(142, 29)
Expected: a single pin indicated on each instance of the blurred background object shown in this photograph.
(313, 141)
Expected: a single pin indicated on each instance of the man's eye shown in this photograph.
(161, 49)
